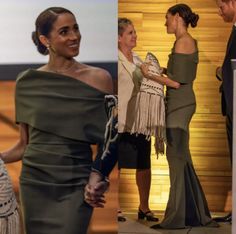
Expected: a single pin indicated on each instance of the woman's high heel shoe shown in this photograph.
(120, 216)
(148, 215)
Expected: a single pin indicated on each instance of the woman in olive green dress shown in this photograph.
(187, 205)
(60, 109)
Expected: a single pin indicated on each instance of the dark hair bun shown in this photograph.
(40, 47)
(185, 12)
(193, 19)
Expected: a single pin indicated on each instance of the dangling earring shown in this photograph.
(50, 48)
(46, 52)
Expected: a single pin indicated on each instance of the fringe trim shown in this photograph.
(110, 135)
(150, 119)
(10, 224)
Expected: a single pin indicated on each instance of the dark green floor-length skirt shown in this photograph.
(187, 205)
(54, 173)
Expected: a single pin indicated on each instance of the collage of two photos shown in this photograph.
(117, 117)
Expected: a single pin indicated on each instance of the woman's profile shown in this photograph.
(187, 205)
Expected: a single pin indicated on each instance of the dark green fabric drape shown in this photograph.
(47, 100)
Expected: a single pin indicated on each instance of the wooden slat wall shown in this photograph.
(208, 136)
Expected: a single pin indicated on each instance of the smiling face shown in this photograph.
(64, 38)
(128, 38)
(226, 10)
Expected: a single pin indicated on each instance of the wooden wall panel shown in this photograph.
(208, 142)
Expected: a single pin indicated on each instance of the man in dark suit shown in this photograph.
(227, 10)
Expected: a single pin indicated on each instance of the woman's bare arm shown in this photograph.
(160, 79)
(15, 153)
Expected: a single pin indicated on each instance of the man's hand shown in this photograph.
(219, 73)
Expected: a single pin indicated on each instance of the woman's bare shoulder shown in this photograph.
(185, 45)
(96, 77)
(103, 79)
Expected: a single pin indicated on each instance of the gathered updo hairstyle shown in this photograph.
(185, 13)
(122, 24)
(44, 24)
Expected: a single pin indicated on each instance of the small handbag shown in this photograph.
(154, 67)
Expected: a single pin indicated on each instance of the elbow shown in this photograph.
(21, 147)
(173, 84)
(177, 85)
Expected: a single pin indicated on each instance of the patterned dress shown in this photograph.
(9, 217)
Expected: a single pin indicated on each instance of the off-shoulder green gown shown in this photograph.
(64, 116)
(187, 205)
